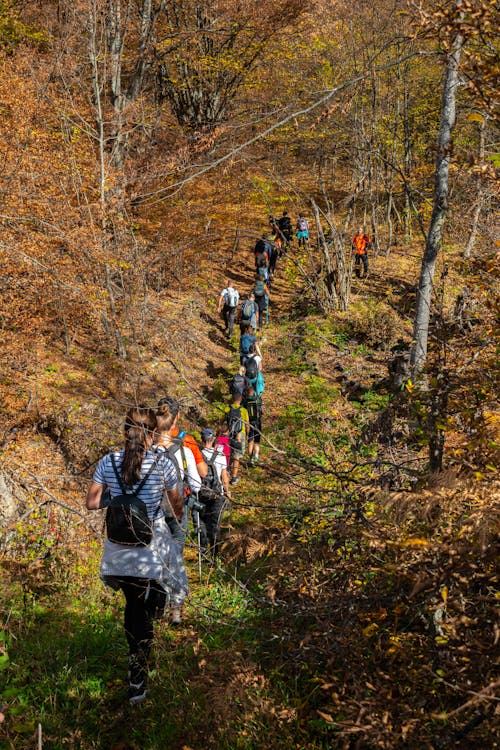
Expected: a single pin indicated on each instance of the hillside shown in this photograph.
(354, 602)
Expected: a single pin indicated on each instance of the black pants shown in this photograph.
(272, 261)
(210, 519)
(228, 314)
(263, 305)
(357, 262)
(145, 599)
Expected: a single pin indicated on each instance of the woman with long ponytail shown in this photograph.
(148, 575)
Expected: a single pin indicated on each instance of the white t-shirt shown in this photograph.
(193, 477)
(220, 462)
(258, 360)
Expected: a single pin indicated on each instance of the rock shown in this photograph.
(8, 503)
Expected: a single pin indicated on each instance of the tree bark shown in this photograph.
(440, 206)
(480, 193)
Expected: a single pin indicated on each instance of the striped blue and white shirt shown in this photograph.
(162, 478)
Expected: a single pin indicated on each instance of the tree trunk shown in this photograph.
(440, 206)
(480, 193)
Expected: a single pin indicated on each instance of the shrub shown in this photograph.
(376, 324)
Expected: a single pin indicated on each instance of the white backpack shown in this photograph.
(232, 297)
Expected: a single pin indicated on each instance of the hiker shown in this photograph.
(188, 481)
(246, 340)
(249, 313)
(188, 440)
(253, 371)
(253, 404)
(228, 304)
(148, 574)
(236, 417)
(262, 297)
(285, 228)
(213, 493)
(275, 252)
(239, 382)
(262, 250)
(360, 245)
(273, 224)
(188, 477)
(302, 229)
(222, 441)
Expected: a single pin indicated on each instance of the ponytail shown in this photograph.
(168, 409)
(140, 423)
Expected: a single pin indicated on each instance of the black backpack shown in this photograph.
(235, 424)
(211, 487)
(239, 384)
(251, 368)
(285, 224)
(127, 520)
(253, 405)
(261, 246)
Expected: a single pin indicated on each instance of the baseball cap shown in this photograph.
(207, 433)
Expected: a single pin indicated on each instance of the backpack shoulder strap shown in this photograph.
(211, 461)
(171, 451)
(142, 482)
(117, 474)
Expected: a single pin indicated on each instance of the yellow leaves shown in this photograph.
(370, 630)
(410, 386)
(415, 541)
(395, 645)
(444, 594)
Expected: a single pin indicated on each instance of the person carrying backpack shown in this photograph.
(214, 490)
(263, 272)
(249, 313)
(262, 297)
(253, 371)
(262, 249)
(253, 404)
(149, 573)
(236, 417)
(187, 439)
(302, 228)
(361, 243)
(228, 304)
(239, 382)
(222, 442)
(285, 229)
(188, 482)
(246, 340)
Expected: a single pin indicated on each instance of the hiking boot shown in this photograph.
(137, 679)
(234, 480)
(176, 615)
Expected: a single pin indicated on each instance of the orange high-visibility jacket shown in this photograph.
(360, 243)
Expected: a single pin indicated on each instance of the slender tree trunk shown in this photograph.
(480, 193)
(440, 206)
(407, 154)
